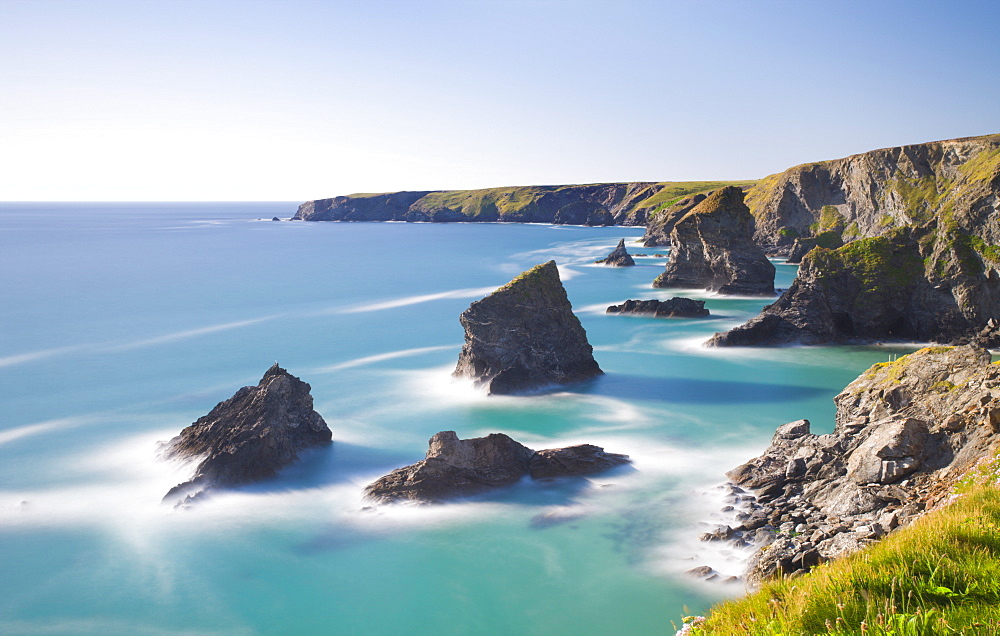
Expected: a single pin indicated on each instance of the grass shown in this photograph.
(674, 191)
(880, 263)
(940, 575)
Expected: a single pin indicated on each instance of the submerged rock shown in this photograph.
(250, 436)
(711, 247)
(525, 336)
(676, 307)
(456, 467)
(906, 432)
(619, 257)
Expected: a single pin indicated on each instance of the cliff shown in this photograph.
(954, 181)
(525, 336)
(711, 247)
(250, 436)
(906, 432)
(592, 204)
(619, 257)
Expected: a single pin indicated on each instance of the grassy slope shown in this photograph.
(674, 191)
(941, 575)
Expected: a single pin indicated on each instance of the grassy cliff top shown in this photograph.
(940, 575)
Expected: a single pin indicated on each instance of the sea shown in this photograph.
(122, 323)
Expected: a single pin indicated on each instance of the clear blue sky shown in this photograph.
(294, 100)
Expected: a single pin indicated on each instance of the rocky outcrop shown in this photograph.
(250, 436)
(391, 206)
(906, 432)
(525, 336)
(619, 257)
(869, 193)
(660, 225)
(455, 467)
(912, 283)
(676, 307)
(711, 247)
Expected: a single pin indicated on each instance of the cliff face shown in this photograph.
(250, 436)
(906, 432)
(659, 226)
(864, 195)
(594, 204)
(525, 336)
(711, 247)
(911, 283)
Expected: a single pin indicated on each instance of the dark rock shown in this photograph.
(524, 336)
(619, 257)
(275, 219)
(458, 468)
(701, 572)
(250, 436)
(711, 247)
(676, 307)
(455, 468)
(585, 459)
(658, 227)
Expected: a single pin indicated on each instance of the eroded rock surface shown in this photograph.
(676, 307)
(619, 257)
(905, 432)
(250, 436)
(525, 336)
(455, 467)
(711, 247)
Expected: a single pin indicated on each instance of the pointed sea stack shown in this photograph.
(250, 436)
(712, 248)
(619, 257)
(525, 336)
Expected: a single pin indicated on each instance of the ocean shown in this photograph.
(120, 324)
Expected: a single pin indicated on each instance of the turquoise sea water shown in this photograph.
(122, 323)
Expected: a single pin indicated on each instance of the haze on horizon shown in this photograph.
(116, 100)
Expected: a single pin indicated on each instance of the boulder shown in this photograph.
(525, 336)
(250, 436)
(619, 257)
(572, 461)
(711, 247)
(676, 307)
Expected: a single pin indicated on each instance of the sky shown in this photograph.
(212, 100)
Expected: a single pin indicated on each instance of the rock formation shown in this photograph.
(660, 225)
(676, 307)
(459, 468)
(711, 247)
(250, 436)
(906, 432)
(618, 257)
(912, 283)
(525, 336)
(869, 193)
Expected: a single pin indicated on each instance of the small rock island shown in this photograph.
(525, 336)
(619, 257)
(250, 436)
(676, 307)
(456, 467)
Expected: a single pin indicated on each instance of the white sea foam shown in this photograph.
(413, 300)
(30, 356)
(381, 357)
(59, 424)
(187, 333)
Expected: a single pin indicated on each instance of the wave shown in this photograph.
(392, 355)
(188, 333)
(413, 300)
(31, 356)
(28, 430)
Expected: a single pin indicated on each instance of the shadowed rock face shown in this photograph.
(619, 257)
(906, 432)
(525, 336)
(250, 436)
(712, 248)
(676, 307)
(456, 467)
(659, 227)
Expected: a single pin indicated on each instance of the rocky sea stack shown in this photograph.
(711, 247)
(619, 257)
(906, 431)
(525, 336)
(456, 467)
(250, 436)
(676, 307)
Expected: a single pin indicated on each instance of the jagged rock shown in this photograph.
(455, 468)
(905, 285)
(250, 436)
(275, 219)
(659, 226)
(906, 431)
(585, 459)
(459, 468)
(676, 307)
(524, 336)
(618, 257)
(702, 572)
(711, 247)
